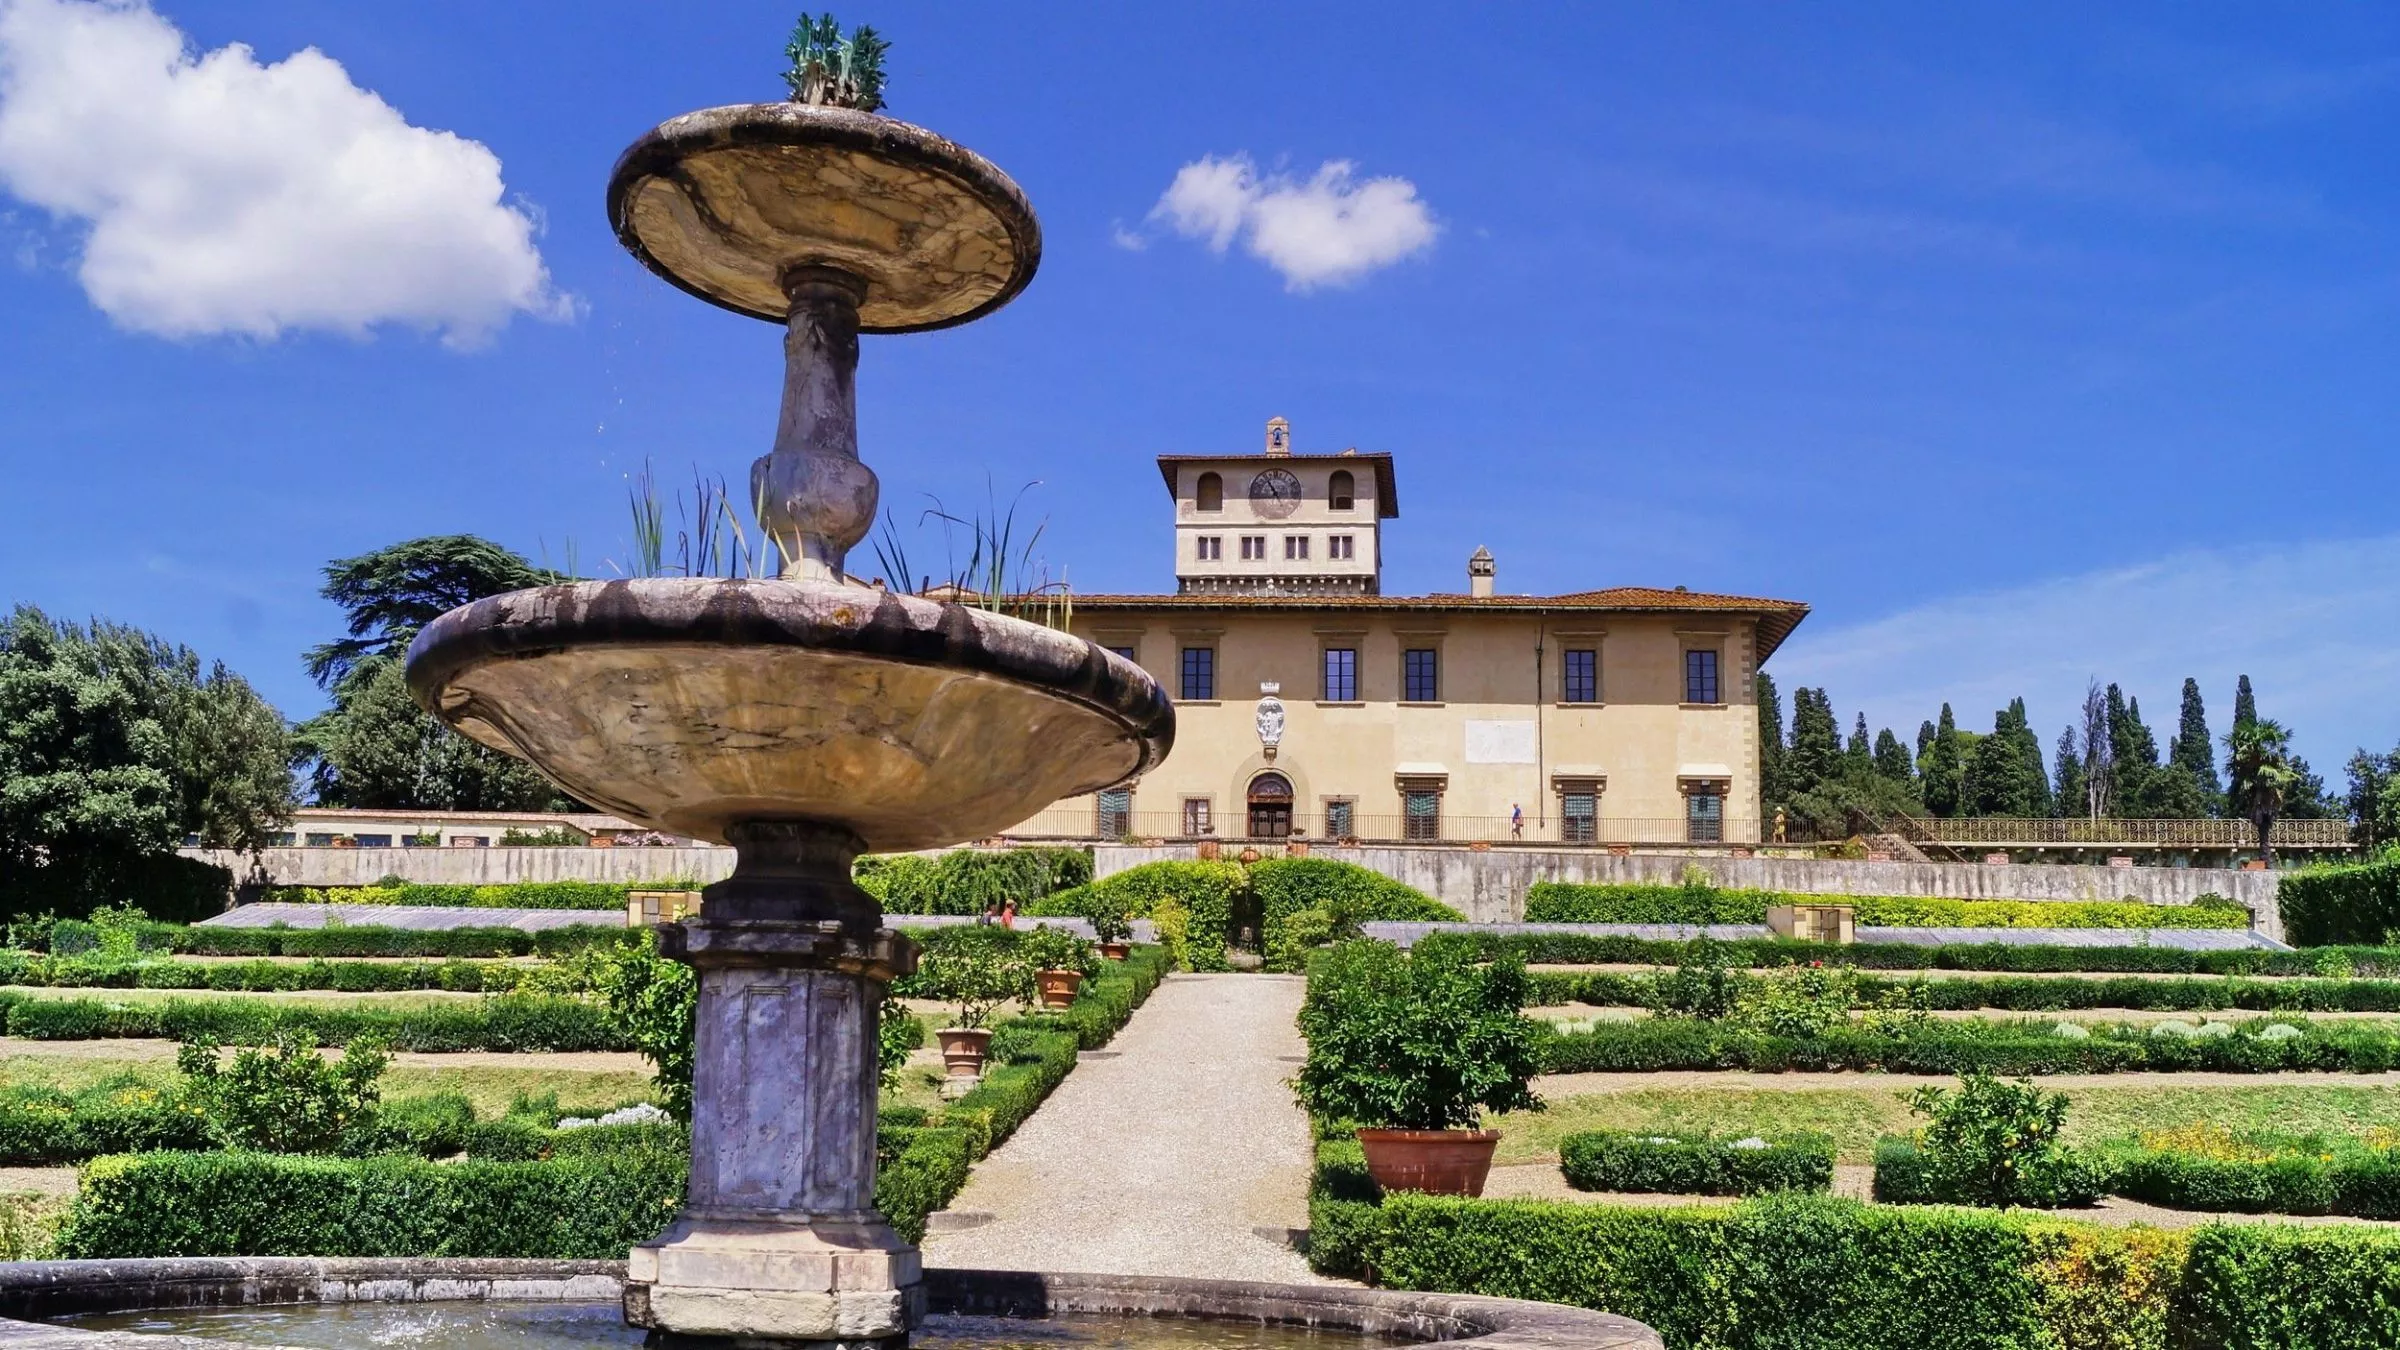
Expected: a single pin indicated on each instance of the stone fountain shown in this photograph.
(803, 718)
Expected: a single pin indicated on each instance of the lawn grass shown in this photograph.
(1856, 1117)
(490, 1087)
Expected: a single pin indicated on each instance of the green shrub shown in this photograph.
(652, 1004)
(1695, 1164)
(1417, 1042)
(2355, 903)
(594, 895)
(1994, 1143)
(259, 1204)
(44, 1127)
(918, 1170)
(968, 881)
(1694, 988)
(1619, 949)
(975, 968)
(2273, 1288)
(505, 1022)
(1204, 891)
(288, 1099)
(431, 1125)
(1568, 902)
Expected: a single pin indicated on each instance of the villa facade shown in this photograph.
(1310, 704)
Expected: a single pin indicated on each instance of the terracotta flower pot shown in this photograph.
(1058, 986)
(1438, 1162)
(1115, 951)
(963, 1049)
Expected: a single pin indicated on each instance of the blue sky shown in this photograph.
(2026, 343)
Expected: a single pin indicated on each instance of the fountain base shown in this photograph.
(750, 1283)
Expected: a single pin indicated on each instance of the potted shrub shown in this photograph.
(1060, 962)
(974, 971)
(1411, 1048)
(1111, 926)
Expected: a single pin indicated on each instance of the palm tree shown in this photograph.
(2259, 762)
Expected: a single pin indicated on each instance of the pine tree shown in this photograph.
(1816, 742)
(2194, 750)
(1942, 768)
(1859, 757)
(1892, 758)
(1771, 787)
(2068, 794)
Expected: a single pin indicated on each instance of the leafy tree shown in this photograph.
(375, 747)
(1816, 742)
(1852, 803)
(2194, 750)
(1423, 1040)
(2260, 767)
(1996, 1144)
(2308, 799)
(1944, 772)
(654, 1003)
(113, 747)
(2003, 776)
(2373, 799)
(1892, 759)
(1771, 786)
(290, 1101)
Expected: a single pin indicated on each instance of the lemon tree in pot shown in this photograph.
(1412, 1048)
(975, 970)
(1061, 962)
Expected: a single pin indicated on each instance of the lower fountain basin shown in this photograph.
(690, 704)
(568, 1305)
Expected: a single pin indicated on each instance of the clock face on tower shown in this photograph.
(1275, 494)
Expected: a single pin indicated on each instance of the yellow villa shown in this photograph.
(1309, 704)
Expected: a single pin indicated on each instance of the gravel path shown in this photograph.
(1159, 1155)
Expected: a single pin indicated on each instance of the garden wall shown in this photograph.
(469, 866)
(1490, 886)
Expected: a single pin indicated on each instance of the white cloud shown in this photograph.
(215, 195)
(1329, 230)
(2316, 627)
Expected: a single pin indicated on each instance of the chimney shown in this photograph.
(1479, 574)
(1279, 436)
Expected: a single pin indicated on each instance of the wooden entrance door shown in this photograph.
(1270, 806)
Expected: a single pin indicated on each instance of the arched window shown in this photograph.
(1211, 492)
(1342, 491)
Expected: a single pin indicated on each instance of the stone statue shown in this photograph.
(831, 70)
(1779, 825)
(1270, 716)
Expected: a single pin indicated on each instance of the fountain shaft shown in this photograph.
(814, 497)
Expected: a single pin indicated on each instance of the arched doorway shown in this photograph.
(1270, 801)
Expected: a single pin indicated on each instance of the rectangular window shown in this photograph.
(470, 841)
(1208, 547)
(1700, 676)
(1340, 820)
(1126, 652)
(1420, 675)
(1421, 815)
(1195, 815)
(374, 841)
(1115, 814)
(1704, 817)
(1583, 675)
(1254, 548)
(1199, 674)
(1340, 546)
(282, 840)
(320, 841)
(1341, 675)
(1578, 817)
(1295, 546)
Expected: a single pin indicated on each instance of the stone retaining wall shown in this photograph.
(1490, 886)
(468, 866)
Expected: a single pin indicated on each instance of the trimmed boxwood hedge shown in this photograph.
(1817, 1273)
(265, 976)
(512, 895)
(1537, 949)
(263, 1204)
(1271, 891)
(1947, 1048)
(505, 1022)
(966, 880)
(2018, 993)
(2362, 1183)
(1574, 902)
(2075, 1178)
(1682, 1163)
(2359, 903)
(74, 937)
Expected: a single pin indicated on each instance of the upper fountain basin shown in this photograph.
(687, 704)
(726, 201)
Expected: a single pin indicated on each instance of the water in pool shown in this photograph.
(600, 1326)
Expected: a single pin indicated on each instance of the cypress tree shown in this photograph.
(2068, 792)
(2245, 704)
(1816, 742)
(2133, 755)
(2194, 751)
(1859, 758)
(1924, 742)
(2035, 793)
(2003, 773)
(1892, 758)
(1942, 768)
(1771, 788)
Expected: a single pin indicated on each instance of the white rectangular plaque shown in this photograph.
(1500, 742)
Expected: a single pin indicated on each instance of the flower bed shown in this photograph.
(1571, 902)
(1695, 1164)
(2010, 1047)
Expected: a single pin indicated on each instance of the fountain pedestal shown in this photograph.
(779, 1239)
